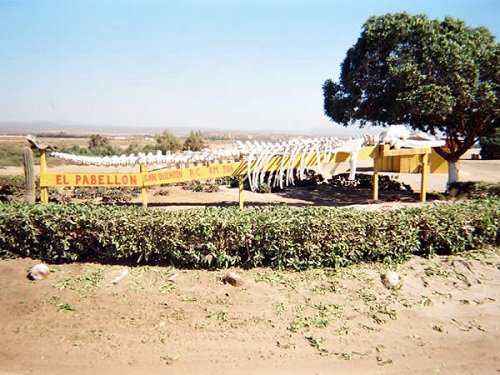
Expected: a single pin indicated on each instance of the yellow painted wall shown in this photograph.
(438, 164)
(411, 163)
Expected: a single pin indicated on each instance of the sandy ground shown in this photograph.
(444, 319)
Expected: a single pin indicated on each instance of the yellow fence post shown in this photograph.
(376, 168)
(44, 191)
(240, 188)
(423, 181)
(144, 192)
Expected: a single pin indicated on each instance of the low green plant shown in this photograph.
(67, 307)
(220, 316)
(11, 155)
(208, 186)
(316, 342)
(87, 283)
(276, 236)
(365, 181)
(473, 189)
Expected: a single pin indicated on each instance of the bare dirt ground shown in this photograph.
(444, 319)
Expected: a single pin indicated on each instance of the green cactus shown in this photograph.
(29, 175)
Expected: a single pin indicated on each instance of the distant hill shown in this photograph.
(46, 127)
(11, 127)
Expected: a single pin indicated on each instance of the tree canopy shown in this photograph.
(98, 145)
(98, 141)
(194, 142)
(440, 77)
(167, 141)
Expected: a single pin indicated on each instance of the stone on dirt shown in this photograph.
(390, 279)
(39, 271)
(120, 275)
(173, 278)
(233, 279)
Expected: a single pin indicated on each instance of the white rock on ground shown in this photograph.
(39, 271)
(120, 275)
(390, 279)
(173, 278)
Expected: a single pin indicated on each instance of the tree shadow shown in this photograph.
(335, 196)
(321, 195)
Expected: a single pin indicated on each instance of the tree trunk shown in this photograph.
(29, 175)
(452, 172)
(452, 157)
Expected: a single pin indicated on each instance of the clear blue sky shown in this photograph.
(189, 63)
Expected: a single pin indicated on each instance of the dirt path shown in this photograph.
(443, 320)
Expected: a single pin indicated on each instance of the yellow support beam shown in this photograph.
(44, 191)
(144, 192)
(423, 181)
(240, 190)
(376, 168)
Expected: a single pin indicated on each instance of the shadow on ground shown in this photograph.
(315, 196)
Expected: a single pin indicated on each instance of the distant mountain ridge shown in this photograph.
(20, 127)
(14, 127)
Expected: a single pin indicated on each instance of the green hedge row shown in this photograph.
(278, 236)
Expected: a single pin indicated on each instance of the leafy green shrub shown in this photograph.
(278, 236)
(98, 141)
(452, 228)
(473, 189)
(76, 150)
(162, 192)
(263, 188)
(490, 147)
(107, 150)
(136, 148)
(209, 186)
(12, 188)
(167, 141)
(11, 185)
(194, 142)
(107, 195)
(365, 181)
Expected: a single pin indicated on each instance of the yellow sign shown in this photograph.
(91, 179)
(159, 177)
(169, 176)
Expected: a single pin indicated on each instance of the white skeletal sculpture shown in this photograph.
(185, 157)
(259, 155)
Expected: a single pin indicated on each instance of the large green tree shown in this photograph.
(440, 77)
